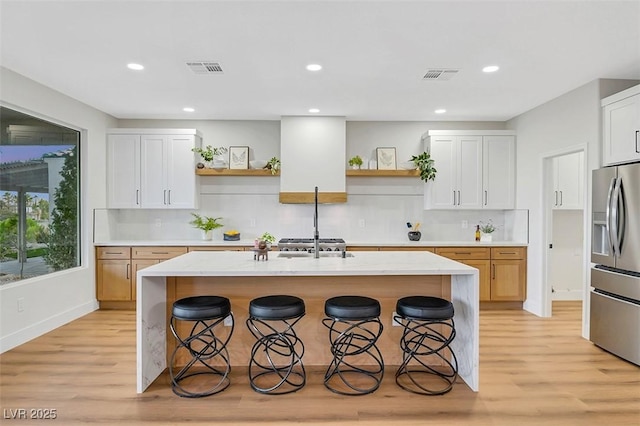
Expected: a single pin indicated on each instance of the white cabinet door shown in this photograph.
(469, 173)
(621, 139)
(498, 172)
(568, 171)
(458, 183)
(441, 193)
(181, 180)
(153, 171)
(123, 171)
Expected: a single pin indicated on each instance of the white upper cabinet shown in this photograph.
(621, 127)
(498, 172)
(568, 182)
(475, 170)
(152, 169)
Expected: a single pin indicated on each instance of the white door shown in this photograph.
(123, 171)
(153, 165)
(499, 173)
(181, 177)
(469, 173)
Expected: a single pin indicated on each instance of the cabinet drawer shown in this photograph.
(508, 252)
(404, 248)
(157, 252)
(113, 252)
(464, 253)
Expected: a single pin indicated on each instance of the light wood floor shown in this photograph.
(536, 371)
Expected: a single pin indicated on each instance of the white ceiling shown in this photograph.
(374, 55)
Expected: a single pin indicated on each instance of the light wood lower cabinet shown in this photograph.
(116, 270)
(502, 270)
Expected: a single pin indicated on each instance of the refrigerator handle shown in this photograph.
(608, 214)
(618, 202)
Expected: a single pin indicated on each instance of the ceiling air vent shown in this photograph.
(440, 74)
(202, 67)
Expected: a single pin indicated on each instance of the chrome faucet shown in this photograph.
(316, 235)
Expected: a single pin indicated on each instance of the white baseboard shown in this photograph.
(31, 332)
(567, 295)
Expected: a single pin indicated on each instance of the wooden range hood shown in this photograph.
(313, 153)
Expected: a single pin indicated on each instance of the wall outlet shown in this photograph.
(158, 222)
(228, 321)
(465, 224)
(361, 223)
(252, 223)
(20, 304)
(395, 323)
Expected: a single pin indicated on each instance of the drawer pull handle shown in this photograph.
(128, 269)
(159, 252)
(508, 252)
(113, 252)
(462, 252)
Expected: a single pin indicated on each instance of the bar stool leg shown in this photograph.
(207, 351)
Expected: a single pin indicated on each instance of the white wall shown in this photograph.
(570, 120)
(54, 299)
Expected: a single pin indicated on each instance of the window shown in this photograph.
(39, 197)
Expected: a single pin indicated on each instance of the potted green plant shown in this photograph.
(486, 229)
(206, 224)
(267, 238)
(273, 165)
(424, 163)
(209, 154)
(355, 162)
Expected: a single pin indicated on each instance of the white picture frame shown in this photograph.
(239, 157)
(386, 158)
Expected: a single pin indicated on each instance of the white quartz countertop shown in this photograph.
(230, 263)
(249, 243)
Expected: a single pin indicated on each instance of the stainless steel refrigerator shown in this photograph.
(615, 277)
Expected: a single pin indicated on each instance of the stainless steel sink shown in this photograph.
(307, 255)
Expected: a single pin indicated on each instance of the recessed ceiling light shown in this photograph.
(314, 110)
(440, 111)
(491, 68)
(188, 109)
(314, 67)
(136, 67)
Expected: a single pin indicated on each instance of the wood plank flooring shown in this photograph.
(533, 371)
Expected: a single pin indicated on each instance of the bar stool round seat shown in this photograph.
(275, 366)
(354, 327)
(429, 365)
(203, 352)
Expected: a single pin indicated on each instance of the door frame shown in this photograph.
(547, 221)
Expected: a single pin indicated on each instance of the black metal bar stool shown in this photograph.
(426, 345)
(276, 365)
(354, 327)
(207, 351)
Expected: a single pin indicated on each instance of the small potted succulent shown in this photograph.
(486, 229)
(355, 162)
(267, 238)
(273, 165)
(206, 224)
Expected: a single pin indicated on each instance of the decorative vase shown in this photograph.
(487, 238)
(207, 235)
(355, 167)
(414, 235)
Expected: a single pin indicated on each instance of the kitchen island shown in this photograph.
(385, 276)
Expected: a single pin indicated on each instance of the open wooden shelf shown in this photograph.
(383, 173)
(235, 172)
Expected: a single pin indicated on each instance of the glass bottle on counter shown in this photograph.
(477, 232)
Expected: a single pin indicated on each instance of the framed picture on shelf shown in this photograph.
(386, 158)
(239, 157)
